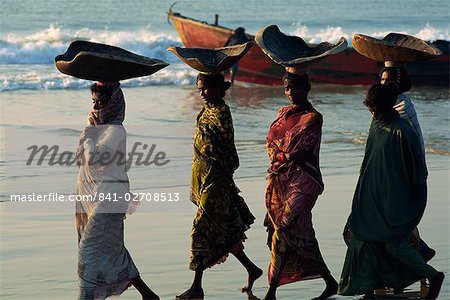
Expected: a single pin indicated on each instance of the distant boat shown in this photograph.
(347, 67)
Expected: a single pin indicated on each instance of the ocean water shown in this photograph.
(40, 106)
(33, 32)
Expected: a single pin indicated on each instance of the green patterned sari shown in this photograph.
(222, 216)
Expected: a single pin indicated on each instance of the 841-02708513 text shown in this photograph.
(113, 197)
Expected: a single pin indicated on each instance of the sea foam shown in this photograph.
(42, 46)
(333, 34)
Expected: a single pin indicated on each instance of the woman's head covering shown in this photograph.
(114, 111)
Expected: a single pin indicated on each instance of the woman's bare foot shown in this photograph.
(329, 291)
(250, 296)
(143, 289)
(435, 286)
(192, 294)
(252, 276)
(269, 297)
(271, 293)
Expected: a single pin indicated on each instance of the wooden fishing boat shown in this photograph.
(347, 67)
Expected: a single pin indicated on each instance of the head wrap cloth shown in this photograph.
(113, 113)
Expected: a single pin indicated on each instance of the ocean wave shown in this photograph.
(27, 60)
(65, 131)
(329, 34)
(42, 46)
(333, 34)
(428, 33)
(345, 137)
(50, 79)
(355, 140)
(430, 150)
(362, 139)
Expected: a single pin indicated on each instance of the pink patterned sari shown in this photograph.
(293, 186)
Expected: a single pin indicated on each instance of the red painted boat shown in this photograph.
(347, 67)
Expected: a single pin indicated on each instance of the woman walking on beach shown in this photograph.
(293, 186)
(105, 268)
(222, 216)
(389, 202)
(394, 73)
(397, 75)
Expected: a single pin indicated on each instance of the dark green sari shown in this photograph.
(388, 204)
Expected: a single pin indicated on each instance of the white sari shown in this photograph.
(105, 267)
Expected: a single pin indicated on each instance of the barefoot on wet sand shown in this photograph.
(329, 291)
(269, 297)
(251, 296)
(435, 286)
(252, 276)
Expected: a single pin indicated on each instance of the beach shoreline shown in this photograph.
(39, 246)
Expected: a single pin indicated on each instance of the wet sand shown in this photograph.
(39, 246)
